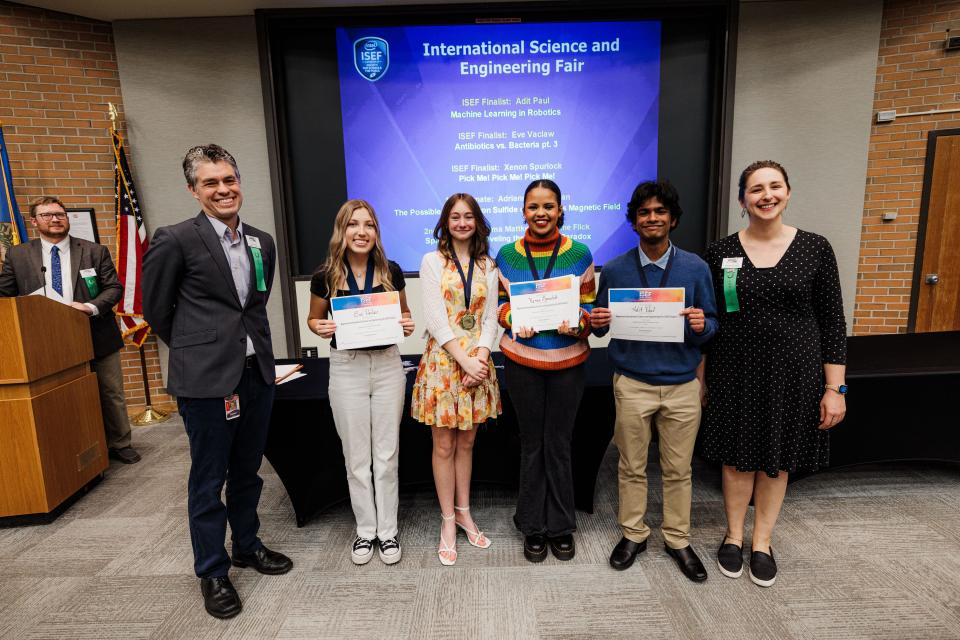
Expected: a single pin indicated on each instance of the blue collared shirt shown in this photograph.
(659, 262)
(239, 261)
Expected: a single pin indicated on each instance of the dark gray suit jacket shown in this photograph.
(22, 274)
(191, 302)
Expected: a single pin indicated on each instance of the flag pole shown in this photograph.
(148, 415)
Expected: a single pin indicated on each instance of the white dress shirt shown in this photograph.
(66, 272)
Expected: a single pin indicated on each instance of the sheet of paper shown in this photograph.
(292, 376)
(648, 315)
(367, 320)
(543, 305)
(284, 369)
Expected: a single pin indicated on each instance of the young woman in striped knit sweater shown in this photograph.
(545, 374)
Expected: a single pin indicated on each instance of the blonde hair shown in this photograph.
(334, 268)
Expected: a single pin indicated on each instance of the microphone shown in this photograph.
(43, 274)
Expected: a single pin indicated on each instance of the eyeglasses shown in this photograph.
(59, 215)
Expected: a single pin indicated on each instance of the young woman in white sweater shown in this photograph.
(456, 387)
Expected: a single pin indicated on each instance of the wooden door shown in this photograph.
(936, 287)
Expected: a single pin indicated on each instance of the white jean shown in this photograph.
(366, 395)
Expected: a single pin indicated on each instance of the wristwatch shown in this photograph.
(839, 388)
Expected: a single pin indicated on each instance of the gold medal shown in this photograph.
(468, 321)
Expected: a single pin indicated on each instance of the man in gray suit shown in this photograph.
(208, 280)
(81, 274)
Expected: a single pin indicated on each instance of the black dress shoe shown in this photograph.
(265, 561)
(625, 553)
(126, 455)
(689, 563)
(220, 599)
(535, 547)
(563, 547)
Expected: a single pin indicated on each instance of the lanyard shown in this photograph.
(467, 280)
(367, 281)
(666, 271)
(553, 259)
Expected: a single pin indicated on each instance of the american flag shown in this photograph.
(131, 245)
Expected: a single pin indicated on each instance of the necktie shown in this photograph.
(57, 276)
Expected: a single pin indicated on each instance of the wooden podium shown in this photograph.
(51, 428)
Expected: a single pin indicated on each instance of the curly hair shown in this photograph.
(663, 191)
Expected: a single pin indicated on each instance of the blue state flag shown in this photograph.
(12, 229)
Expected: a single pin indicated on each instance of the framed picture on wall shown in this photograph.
(83, 224)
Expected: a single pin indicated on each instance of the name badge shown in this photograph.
(88, 273)
(231, 406)
(732, 263)
(253, 241)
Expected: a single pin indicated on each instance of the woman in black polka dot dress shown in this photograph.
(775, 371)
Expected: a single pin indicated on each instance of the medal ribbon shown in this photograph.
(258, 268)
(367, 280)
(666, 271)
(92, 287)
(730, 290)
(467, 280)
(550, 264)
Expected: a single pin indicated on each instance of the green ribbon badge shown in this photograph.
(254, 243)
(730, 290)
(90, 279)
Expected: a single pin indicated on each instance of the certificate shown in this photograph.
(367, 320)
(543, 305)
(649, 315)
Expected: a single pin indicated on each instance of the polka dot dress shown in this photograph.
(765, 366)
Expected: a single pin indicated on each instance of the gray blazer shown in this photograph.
(21, 274)
(191, 302)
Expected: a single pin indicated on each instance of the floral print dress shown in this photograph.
(439, 397)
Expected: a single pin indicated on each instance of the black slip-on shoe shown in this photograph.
(220, 599)
(763, 568)
(688, 562)
(126, 455)
(535, 547)
(267, 562)
(625, 553)
(563, 547)
(730, 559)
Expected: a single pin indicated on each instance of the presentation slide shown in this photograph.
(485, 109)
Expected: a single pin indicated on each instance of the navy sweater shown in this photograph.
(660, 363)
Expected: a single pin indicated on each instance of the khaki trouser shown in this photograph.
(675, 410)
(113, 405)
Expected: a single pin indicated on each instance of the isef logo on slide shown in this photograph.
(371, 57)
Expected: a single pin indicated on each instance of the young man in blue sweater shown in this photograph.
(657, 383)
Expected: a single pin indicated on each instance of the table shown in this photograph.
(304, 449)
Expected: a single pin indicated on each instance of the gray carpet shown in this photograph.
(864, 553)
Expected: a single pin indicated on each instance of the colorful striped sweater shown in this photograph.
(546, 349)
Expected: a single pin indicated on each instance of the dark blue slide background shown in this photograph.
(400, 139)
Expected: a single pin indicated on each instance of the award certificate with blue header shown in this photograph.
(367, 320)
(648, 315)
(543, 305)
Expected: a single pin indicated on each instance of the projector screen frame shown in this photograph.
(722, 15)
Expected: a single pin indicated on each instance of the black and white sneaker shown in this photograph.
(763, 568)
(390, 551)
(730, 559)
(362, 550)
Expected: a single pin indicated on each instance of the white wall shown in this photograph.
(805, 78)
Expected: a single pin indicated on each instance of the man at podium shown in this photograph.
(80, 274)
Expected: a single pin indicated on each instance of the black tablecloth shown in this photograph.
(304, 449)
